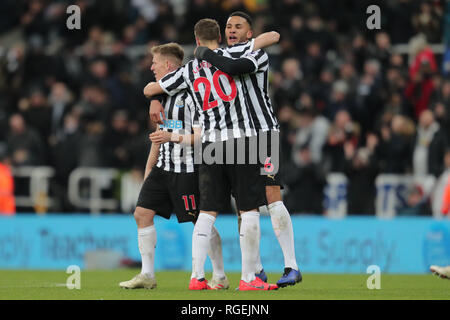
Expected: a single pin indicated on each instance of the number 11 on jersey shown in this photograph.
(186, 202)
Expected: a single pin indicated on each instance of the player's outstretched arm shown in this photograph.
(266, 39)
(233, 67)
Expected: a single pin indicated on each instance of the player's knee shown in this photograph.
(143, 217)
(273, 194)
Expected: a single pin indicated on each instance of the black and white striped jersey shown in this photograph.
(256, 86)
(181, 118)
(219, 99)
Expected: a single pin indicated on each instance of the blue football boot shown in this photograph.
(290, 277)
(262, 275)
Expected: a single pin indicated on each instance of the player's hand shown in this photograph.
(160, 136)
(156, 109)
(200, 51)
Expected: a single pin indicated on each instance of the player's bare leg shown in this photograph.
(147, 242)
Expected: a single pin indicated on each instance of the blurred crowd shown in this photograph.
(346, 100)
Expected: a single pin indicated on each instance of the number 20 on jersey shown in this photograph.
(217, 87)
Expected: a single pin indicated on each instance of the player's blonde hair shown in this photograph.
(169, 50)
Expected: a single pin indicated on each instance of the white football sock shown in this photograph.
(258, 265)
(282, 226)
(200, 243)
(215, 254)
(249, 238)
(147, 244)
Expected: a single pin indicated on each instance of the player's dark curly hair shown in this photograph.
(242, 15)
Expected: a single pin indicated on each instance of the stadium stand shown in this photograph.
(357, 107)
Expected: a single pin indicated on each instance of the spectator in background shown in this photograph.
(138, 144)
(311, 132)
(305, 180)
(368, 98)
(118, 139)
(94, 103)
(430, 145)
(428, 21)
(440, 104)
(313, 61)
(341, 131)
(361, 169)
(199, 9)
(33, 21)
(60, 100)
(360, 51)
(284, 9)
(92, 146)
(348, 74)
(7, 200)
(65, 158)
(320, 89)
(316, 31)
(297, 32)
(395, 104)
(400, 21)
(41, 69)
(66, 148)
(382, 49)
(99, 74)
(338, 99)
(9, 15)
(290, 86)
(38, 116)
(420, 84)
(395, 147)
(25, 147)
(417, 204)
(289, 123)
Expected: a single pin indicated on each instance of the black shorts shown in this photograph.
(218, 181)
(270, 159)
(168, 192)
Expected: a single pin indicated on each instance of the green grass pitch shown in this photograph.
(172, 285)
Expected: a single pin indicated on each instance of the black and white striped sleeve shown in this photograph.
(194, 115)
(260, 59)
(174, 82)
(226, 63)
(241, 49)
